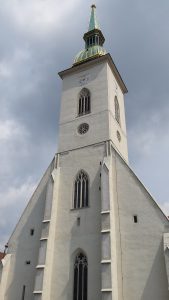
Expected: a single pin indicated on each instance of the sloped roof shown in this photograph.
(2, 255)
(153, 201)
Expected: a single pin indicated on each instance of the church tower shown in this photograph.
(91, 229)
(92, 105)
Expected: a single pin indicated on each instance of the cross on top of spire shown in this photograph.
(93, 24)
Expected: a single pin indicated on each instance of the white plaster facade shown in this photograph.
(126, 260)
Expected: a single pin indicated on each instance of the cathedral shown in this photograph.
(91, 230)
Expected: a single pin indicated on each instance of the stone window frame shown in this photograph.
(80, 282)
(83, 201)
(84, 102)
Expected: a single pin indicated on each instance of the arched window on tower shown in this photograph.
(84, 102)
(81, 192)
(117, 109)
(80, 277)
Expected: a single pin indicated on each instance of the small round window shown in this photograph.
(83, 128)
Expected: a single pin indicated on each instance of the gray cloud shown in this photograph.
(40, 38)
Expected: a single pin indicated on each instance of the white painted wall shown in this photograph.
(69, 237)
(4, 274)
(102, 124)
(24, 247)
(115, 90)
(69, 138)
(143, 264)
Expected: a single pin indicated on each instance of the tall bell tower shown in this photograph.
(92, 123)
(93, 76)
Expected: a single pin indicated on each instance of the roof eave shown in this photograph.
(93, 61)
(117, 74)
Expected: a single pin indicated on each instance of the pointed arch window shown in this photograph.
(80, 277)
(84, 102)
(117, 109)
(81, 192)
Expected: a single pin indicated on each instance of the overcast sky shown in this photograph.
(39, 38)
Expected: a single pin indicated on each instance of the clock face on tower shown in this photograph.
(84, 79)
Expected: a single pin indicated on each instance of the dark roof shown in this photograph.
(2, 255)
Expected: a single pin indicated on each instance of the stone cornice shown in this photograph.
(82, 66)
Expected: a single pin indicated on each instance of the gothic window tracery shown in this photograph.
(83, 128)
(84, 102)
(80, 277)
(81, 192)
(117, 109)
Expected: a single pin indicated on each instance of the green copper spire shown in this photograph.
(93, 19)
(94, 40)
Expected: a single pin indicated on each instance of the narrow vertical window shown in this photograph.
(96, 40)
(135, 219)
(80, 277)
(117, 109)
(88, 43)
(84, 102)
(81, 187)
(32, 231)
(23, 292)
(78, 221)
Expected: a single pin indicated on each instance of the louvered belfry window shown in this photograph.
(84, 102)
(80, 277)
(81, 192)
